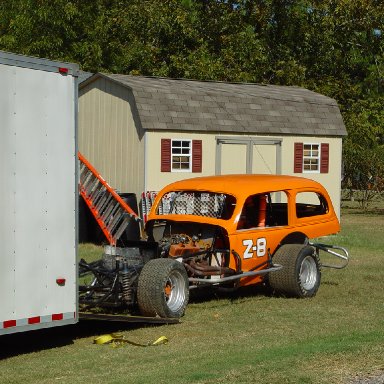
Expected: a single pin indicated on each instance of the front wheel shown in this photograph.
(163, 289)
(300, 275)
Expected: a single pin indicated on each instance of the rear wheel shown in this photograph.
(300, 275)
(163, 288)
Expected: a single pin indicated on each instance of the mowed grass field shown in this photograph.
(247, 337)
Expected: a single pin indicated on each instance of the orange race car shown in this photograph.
(232, 231)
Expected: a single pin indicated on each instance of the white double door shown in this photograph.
(247, 156)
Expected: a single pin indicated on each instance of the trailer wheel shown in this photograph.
(300, 275)
(163, 289)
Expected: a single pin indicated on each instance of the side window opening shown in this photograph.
(204, 204)
(264, 210)
(310, 204)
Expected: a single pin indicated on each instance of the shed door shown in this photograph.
(264, 159)
(248, 155)
(233, 158)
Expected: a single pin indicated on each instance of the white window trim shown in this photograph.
(189, 170)
(312, 157)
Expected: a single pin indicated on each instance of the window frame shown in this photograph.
(311, 157)
(313, 209)
(249, 215)
(189, 155)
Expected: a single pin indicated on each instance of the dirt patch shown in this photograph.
(374, 379)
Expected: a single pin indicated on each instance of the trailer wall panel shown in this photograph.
(38, 194)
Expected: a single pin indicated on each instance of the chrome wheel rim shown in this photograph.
(308, 273)
(174, 292)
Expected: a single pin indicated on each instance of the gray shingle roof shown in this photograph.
(84, 76)
(188, 105)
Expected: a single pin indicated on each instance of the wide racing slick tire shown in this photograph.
(163, 289)
(301, 272)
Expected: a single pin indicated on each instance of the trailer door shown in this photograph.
(38, 193)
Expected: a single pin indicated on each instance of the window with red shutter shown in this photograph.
(298, 158)
(197, 156)
(178, 155)
(166, 145)
(311, 158)
(324, 160)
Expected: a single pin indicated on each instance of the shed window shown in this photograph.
(180, 155)
(311, 158)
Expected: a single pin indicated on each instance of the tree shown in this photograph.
(58, 29)
(364, 150)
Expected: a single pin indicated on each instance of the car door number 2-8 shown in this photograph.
(260, 248)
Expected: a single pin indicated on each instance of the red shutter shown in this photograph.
(298, 158)
(197, 156)
(324, 160)
(166, 145)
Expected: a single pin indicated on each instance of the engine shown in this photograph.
(203, 249)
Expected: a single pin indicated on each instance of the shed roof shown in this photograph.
(189, 105)
(84, 76)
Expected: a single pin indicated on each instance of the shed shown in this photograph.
(142, 133)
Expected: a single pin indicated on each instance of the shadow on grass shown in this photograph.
(330, 283)
(39, 340)
(209, 294)
(360, 211)
(45, 339)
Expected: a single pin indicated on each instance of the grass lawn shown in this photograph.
(246, 337)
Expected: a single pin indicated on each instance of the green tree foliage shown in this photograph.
(325, 45)
(334, 47)
(364, 149)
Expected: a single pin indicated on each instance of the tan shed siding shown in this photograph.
(108, 136)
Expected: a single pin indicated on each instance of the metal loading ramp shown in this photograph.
(127, 318)
(111, 212)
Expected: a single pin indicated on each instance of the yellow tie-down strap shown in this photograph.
(118, 340)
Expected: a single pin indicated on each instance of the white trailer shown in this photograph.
(38, 193)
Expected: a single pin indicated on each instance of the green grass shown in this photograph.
(90, 252)
(246, 337)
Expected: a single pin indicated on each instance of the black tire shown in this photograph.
(163, 289)
(301, 273)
